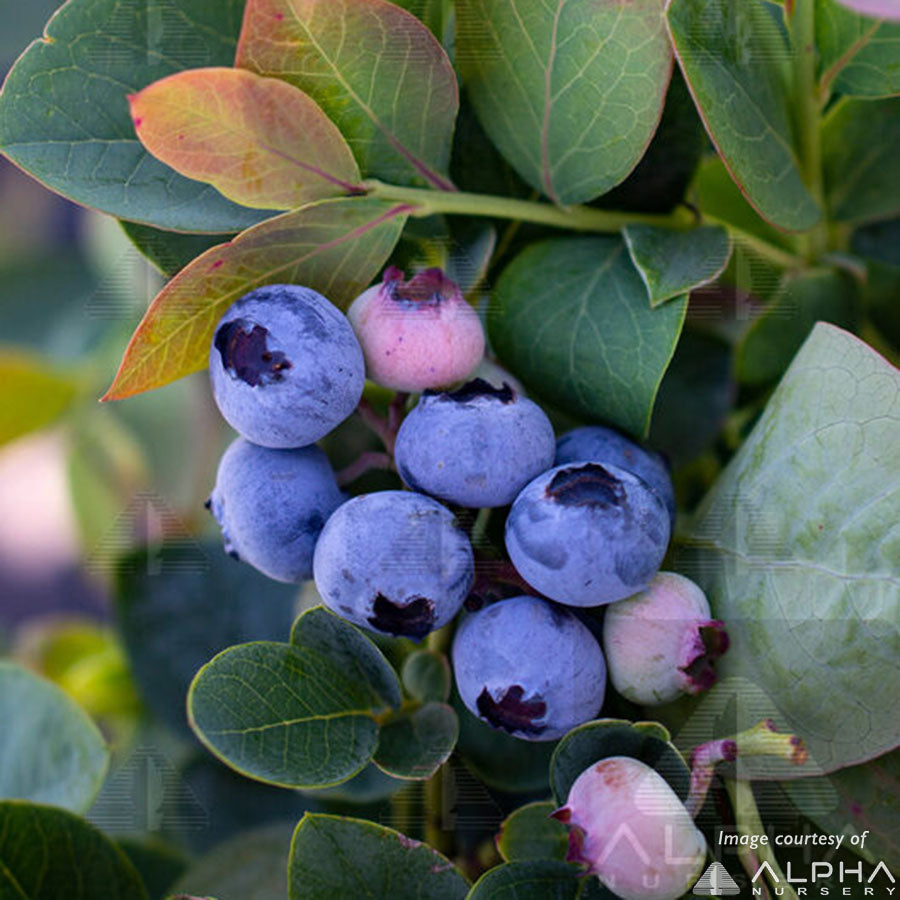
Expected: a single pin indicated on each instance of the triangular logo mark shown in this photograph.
(716, 882)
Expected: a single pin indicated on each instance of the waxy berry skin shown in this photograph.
(272, 505)
(632, 831)
(394, 562)
(285, 366)
(662, 643)
(586, 534)
(417, 334)
(594, 443)
(529, 667)
(474, 447)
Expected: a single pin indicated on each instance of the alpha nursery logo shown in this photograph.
(822, 879)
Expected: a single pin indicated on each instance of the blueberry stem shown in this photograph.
(378, 424)
(368, 461)
(748, 821)
(761, 740)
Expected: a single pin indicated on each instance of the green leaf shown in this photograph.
(570, 96)
(335, 247)
(733, 56)
(587, 744)
(859, 158)
(433, 13)
(797, 545)
(376, 70)
(500, 760)
(426, 676)
(769, 344)
(879, 296)
(858, 56)
(50, 751)
(531, 833)
(333, 856)
(570, 318)
(158, 863)
(530, 880)
(169, 251)
(856, 797)
(170, 613)
(672, 263)
(284, 714)
(50, 854)
(64, 113)
(416, 744)
(250, 866)
(32, 394)
(349, 650)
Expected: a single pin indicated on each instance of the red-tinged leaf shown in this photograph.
(375, 69)
(259, 141)
(335, 247)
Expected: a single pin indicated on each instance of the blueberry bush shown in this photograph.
(560, 343)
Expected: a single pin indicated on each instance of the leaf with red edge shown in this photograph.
(259, 141)
(734, 59)
(335, 247)
(376, 70)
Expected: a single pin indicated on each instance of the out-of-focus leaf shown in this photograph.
(50, 752)
(32, 394)
(570, 318)
(259, 141)
(571, 97)
(415, 745)
(170, 251)
(335, 247)
(734, 56)
(797, 545)
(64, 109)
(332, 856)
(877, 9)
(426, 675)
(376, 70)
(158, 864)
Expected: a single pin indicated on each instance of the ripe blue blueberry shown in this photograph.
(395, 562)
(586, 534)
(477, 446)
(594, 443)
(529, 667)
(272, 504)
(285, 366)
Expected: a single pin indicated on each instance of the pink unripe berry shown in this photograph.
(417, 334)
(662, 643)
(632, 831)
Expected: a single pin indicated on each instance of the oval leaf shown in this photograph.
(732, 56)
(50, 854)
(858, 56)
(335, 247)
(50, 752)
(333, 856)
(32, 394)
(570, 318)
(170, 614)
(375, 69)
(570, 92)
(860, 160)
(426, 676)
(797, 545)
(64, 109)
(531, 833)
(672, 263)
(589, 743)
(283, 714)
(259, 141)
(531, 880)
(416, 744)
(350, 650)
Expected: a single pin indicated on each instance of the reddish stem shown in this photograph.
(367, 462)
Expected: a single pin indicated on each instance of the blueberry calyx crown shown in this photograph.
(474, 389)
(428, 288)
(710, 642)
(512, 712)
(586, 485)
(413, 620)
(245, 353)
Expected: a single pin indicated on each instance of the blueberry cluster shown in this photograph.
(588, 522)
